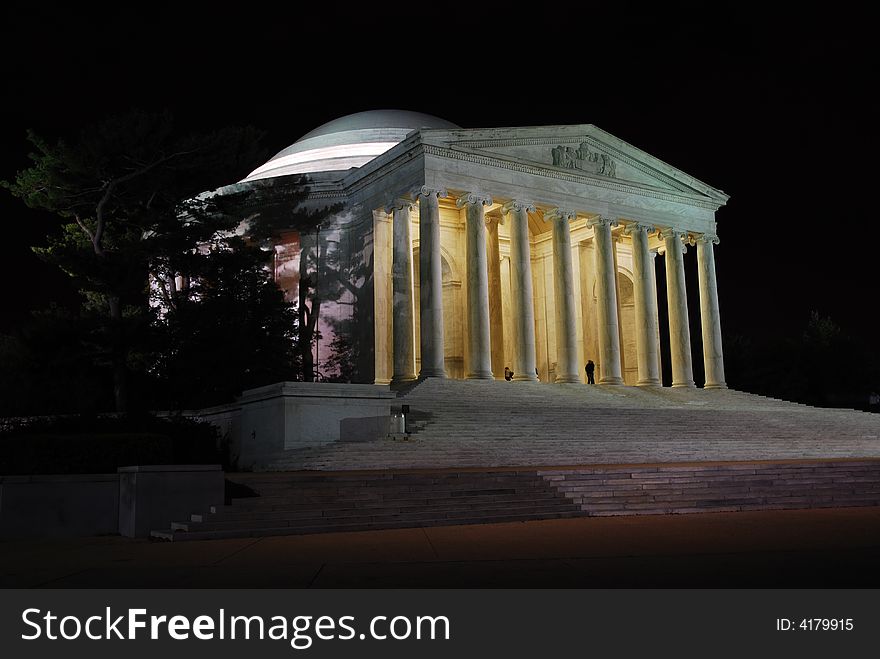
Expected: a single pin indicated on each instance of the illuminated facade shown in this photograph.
(458, 252)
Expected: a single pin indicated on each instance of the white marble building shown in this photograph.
(458, 252)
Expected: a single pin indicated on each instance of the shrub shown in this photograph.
(93, 444)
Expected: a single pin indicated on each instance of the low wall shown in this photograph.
(58, 506)
(286, 416)
(132, 502)
(151, 497)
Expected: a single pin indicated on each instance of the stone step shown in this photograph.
(178, 536)
(443, 485)
(525, 510)
(408, 493)
(306, 502)
(720, 488)
(268, 510)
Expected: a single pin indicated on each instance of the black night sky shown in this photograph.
(773, 108)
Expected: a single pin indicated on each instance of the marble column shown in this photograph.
(402, 292)
(645, 298)
(567, 370)
(496, 313)
(710, 318)
(522, 302)
(606, 293)
(430, 284)
(615, 237)
(676, 294)
(479, 365)
(652, 268)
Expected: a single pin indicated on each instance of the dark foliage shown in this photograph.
(178, 310)
(823, 365)
(119, 187)
(93, 444)
(231, 331)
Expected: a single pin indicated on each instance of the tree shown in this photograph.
(278, 208)
(121, 187)
(227, 329)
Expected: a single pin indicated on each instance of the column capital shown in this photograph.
(600, 220)
(399, 203)
(428, 191)
(517, 205)
(632, 227)
(707, 238)
(493, 220)
(473, 198)
(560, 214)
(669, 232)
(676, 234)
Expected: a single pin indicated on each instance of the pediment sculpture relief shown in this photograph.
(583, 159)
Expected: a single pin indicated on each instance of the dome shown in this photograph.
(350, 141)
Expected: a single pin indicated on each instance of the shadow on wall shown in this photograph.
(336, 302)
(364, 429)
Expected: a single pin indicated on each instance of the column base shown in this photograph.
(480, 375)
(432, 373)
(567, 379)
(684, 385)
(614, 382)
(525, 378)
(715, 385)
(649, 383)
(402, 379)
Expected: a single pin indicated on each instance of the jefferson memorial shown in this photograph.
(447, 256)
(459, 252)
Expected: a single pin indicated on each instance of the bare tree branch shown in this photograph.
(82, 225)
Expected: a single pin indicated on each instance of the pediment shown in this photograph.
(579, 151)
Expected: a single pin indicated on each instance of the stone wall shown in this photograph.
(132, 502)
(266, 422)
(48, 506)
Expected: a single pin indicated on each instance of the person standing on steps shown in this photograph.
(590, 368)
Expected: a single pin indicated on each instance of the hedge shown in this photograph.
(94, 445)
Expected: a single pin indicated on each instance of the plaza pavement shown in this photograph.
(794, 548)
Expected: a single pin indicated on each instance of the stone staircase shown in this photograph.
(297, 503)
(483, 452)
(726, 487)
(461, 423)
(303, 502)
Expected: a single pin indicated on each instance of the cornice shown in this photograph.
(578, 139)
(497, 160)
